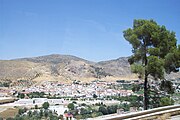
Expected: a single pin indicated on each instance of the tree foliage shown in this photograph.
(95, 96)
(21, 95)
(154, 51)
(103, 110)
(71, 106)
(136, 88)
(167, 86)
(45, 105)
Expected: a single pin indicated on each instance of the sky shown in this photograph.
(90, 29)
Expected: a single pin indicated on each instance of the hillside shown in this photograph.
(65, 68)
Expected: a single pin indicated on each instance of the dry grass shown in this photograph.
(10, 112)
(164, 116)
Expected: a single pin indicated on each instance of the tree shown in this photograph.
(30, 113)
(71, 106)
(84, 111)
(95, 96)
(21, 111)
(135, 88)
(124, 106)
(103, 110)
(34, 101)
(41, 113)
(45, 105)
(21, 95)
(167, 86)
(46, 113)
(154, 51)
(112, 109)
(36, 106)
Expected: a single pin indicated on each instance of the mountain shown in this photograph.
(64, 68)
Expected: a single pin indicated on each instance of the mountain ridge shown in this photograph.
(64, 68)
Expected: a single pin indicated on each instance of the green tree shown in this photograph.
(21, 111)
(36, 106)
(30, 113)
(34, 101)
(124, 106)
(135, 88)
(112, 109)
(154, 51)
(21, 95)
(103, 110)
(45, 105)
(167, 86)
(95, 96)
(84, 111)
(46, 113)
(41, 113)
(71, 106)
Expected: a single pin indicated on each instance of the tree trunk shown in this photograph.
(146, 101)
(145, 92)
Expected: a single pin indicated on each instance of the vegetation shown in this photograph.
(95, 96)
(21, 111)
(165, 101)
(71, 106)
(136, 88)
(21, 95)
(36, 106)
(89, 111)
(154, 51)
(135, 101)
(45, 105)
(92, 111)
(36, 115)
(5, 84)
(167, 86)
(36, 95)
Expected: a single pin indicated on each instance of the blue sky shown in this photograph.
(90, 29)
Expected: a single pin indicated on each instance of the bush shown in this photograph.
(165, 101)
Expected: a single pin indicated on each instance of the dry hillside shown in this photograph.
(65, 68)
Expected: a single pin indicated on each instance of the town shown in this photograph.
(75, 100)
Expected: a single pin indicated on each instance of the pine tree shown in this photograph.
(154, 51)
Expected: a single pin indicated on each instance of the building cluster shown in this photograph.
(100, 89)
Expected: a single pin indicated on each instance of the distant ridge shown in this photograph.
(65, 68)
(53, 58)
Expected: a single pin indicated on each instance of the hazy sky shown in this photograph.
(91, 29)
